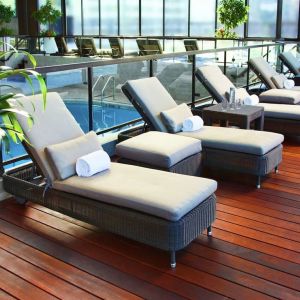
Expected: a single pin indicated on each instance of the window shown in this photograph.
(73, 16)
(262, 18)
(11, 3)
(203, 17)
(152, 17)
(57, 26)
(129, 17)
(109, 17)
(91, 17)
(290, 15)
(176, 17)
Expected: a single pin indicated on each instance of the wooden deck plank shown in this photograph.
(5, 296)
(43, 280)
(21, 289)
(63, 270)
(120, 271)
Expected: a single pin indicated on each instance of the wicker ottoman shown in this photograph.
(163, 151)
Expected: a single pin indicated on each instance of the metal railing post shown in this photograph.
(193, 80)
(90, 97)
(248, 71)
(225, 62)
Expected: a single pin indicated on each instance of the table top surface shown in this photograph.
(245, 110)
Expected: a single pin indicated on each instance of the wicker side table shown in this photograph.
(242, 117)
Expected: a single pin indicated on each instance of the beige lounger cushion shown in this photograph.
(279, 111)
(158, 148)
(173, 118)
(282, 96)
(211, 74)
(279, 80)
(238, 140)
(53, 125)
(154, 99)
(63, 156)
(163, 194)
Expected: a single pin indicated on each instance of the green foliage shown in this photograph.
(9, 105)
(231, 14)
(47, 15)
(6, 14)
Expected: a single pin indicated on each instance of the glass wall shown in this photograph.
(262, 18)
(176, 17)
(109, 17)
(73, 18)
(169, 17)
(129, 17)
(152, 17)
(290, 15)
(91, 17)
(202, 18)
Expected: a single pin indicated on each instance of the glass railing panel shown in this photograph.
(110, 106)
(176, 76)
(236, 67)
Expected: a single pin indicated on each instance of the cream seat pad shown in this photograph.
(238, 140)
(163, 194)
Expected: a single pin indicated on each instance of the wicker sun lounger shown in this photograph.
(291, 62)
(246, 151)
(270, 77)
(281, 118)
(138, 203)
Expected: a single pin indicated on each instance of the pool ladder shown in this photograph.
(108, 79)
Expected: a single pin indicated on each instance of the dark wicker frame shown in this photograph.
(25, 184)
(188, 166)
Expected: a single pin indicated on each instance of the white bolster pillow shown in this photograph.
(251, 100)
(192, 123)
(92, 163)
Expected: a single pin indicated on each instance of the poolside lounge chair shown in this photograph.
(282, 118)
(118, 49)
(158, 208)
(86, 47)
(246, 151)
(149, 46)
(291, 62)
(268, 74)
(62, 47)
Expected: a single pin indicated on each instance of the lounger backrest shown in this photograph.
(53, 125)
(150, 98)
(214, 81)
(291, 62)
(263, 70)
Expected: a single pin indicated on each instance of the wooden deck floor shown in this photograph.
(254, 252)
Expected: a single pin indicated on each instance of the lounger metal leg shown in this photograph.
(209, 231)
(276, 169)
(258, 182)
(173, 259)
(20, 200)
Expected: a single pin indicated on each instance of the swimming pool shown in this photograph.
(105, 116)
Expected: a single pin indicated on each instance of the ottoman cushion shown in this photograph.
(282, 96)
(158, 148)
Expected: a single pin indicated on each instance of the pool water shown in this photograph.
(105, 116)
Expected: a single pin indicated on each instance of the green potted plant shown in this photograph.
(232, 13)
(47, 15)
(10, 127)
(6, 14)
